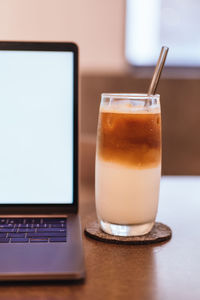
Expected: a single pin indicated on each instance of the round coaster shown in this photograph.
(159, 233)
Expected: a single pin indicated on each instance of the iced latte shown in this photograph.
(128, 163)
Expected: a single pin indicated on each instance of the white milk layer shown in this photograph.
(126, 195)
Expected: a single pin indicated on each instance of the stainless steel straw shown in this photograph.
(158, 71)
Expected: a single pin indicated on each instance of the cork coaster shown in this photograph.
(159, 233)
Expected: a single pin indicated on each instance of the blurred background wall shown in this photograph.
(98, 27)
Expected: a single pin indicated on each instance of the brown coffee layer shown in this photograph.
(131, 139)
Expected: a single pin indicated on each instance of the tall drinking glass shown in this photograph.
(128, 163)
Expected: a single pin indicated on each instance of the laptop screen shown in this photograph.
(36, 127)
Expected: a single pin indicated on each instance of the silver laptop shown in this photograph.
(40, 235)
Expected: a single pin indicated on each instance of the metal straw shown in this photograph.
(158, 71)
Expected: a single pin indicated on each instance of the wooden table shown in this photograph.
(169, 270)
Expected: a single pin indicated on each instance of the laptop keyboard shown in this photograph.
(33, 230)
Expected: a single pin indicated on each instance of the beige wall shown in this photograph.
(96, 25)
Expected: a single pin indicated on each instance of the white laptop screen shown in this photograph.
(36, 127)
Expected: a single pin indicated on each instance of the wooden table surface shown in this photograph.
(168, 270)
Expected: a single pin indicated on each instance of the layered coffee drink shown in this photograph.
(128, 165)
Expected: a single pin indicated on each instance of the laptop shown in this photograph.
(40, 234)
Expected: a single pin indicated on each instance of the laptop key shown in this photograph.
(3, 235)
(39, 240)
(46, 234)
(16, 235)
(25, 225)
(2, 221)
(40, 225)
(8, 230)
(7, 226)
(54, 220)
(57, 225)
(57, 239)
(28, 221)
(4, 240)
(19, 240)
(51, 229)
(15, 221)
(26, 230)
